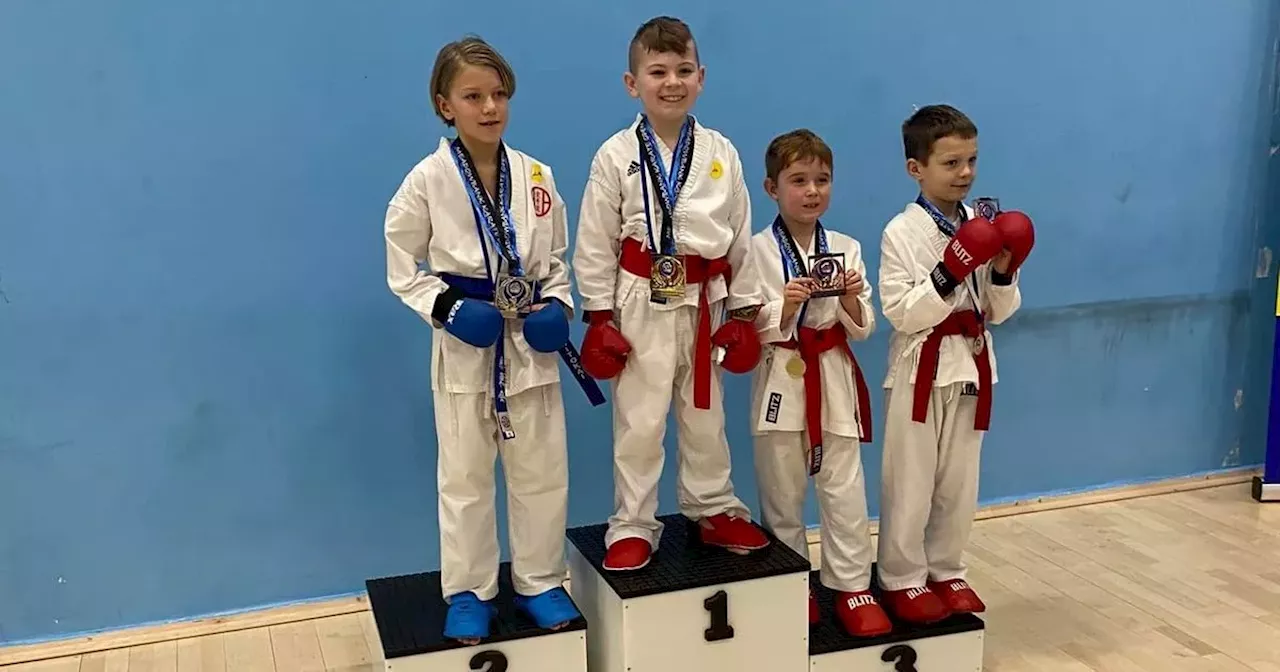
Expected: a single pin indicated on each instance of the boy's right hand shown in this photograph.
(976, 242)
(794, 294)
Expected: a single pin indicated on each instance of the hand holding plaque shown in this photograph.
(827, 273)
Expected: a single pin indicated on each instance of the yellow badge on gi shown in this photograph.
(716, 169)
(537, 173)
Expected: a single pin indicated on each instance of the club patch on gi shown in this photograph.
(541, 201)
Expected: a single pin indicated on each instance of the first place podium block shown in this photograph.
(693, 607)
(410, 610)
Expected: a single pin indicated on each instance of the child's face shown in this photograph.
(667, 83)
(950, 171)
(477, 104)
(803, 191)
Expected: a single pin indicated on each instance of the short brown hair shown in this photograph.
(470, 50)
(801, 144)
(930, 124)
(661, 35)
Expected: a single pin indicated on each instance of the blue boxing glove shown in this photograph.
(547, 329)
(471, 321)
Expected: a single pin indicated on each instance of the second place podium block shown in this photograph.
(693, 607)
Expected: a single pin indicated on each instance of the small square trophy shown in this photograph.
(827, 272)
(513, 296)
(986, 208)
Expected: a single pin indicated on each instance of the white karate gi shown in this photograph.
(712, 219)
(430, 219)
(929, 490)
(778, 421)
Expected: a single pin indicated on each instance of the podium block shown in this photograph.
(950, 645)
(409, 612)
(693, 607)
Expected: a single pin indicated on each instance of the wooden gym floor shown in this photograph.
(1170, 582)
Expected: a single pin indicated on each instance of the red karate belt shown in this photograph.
(812, 343)
(964, 323)
(697, 270)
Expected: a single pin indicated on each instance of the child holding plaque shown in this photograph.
(663, 249)
(946, 271)
(488, 222)
(810, 404)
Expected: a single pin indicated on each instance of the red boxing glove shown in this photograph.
(975, 243)
(1018, 234)
(741, 345)
(604, 348)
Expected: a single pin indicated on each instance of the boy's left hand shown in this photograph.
(853, 283)
(1001, 261)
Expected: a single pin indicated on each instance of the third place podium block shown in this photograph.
(950, 645)
(693, 607)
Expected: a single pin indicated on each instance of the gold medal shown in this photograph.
(795, 366)
(666, 276)
(978, 344)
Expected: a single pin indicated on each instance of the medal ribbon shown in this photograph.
(496, 223)
(791, 257)
(668, 184)
(500, 228)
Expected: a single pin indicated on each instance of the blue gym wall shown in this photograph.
(210, 401)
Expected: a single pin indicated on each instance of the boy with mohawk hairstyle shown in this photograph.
(810, 404)
(663, 249)
(946, 271)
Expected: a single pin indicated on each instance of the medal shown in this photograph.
(795, 366)
(827, 271)
(986, 208)
(666, 276)
(513, 295)
(979, 343)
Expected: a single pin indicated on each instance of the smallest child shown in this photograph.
(811, 405)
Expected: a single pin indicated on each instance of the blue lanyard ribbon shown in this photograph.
(492, 221)
(792, 265)
(669, 184)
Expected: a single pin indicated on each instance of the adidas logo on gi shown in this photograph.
(633, 168)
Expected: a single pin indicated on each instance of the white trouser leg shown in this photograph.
(782, 483)
(842, 506)
(641, 402)
(906, 492)
(537, 475)
(704, 484)
(466, 434)
(955, 494)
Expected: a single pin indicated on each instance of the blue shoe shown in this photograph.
(468, 618)
(549, 610)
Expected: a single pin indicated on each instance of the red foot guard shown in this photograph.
(627, 554)
(916, 605)
(861, 615)
(958, 596)
(734, 534)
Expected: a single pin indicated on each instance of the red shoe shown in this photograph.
(916, 605)
(813, 608)
(627, 554)
(958, 596)
(737, 535)
(861, 615)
